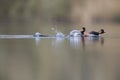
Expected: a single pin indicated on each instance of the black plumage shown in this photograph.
(94, 32)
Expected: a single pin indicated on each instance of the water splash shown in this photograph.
(37, 34)
(55, 30)
(60, 35)
(75, 33)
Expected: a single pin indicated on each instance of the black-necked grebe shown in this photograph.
(77, 33)
(95, 33)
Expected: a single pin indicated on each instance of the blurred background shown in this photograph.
(27, 15)
(64, 59)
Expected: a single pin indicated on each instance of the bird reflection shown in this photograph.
(102, 40)
(83, 42)
(37, 41)
(58, 41)
(75, 41)
(96, 40)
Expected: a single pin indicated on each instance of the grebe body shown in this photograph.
(95, 33)
(77, 33)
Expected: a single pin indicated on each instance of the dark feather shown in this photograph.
(94, 32)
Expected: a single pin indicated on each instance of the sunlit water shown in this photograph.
(60, 58)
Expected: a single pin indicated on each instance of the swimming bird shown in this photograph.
(95, 33)
(77, 33)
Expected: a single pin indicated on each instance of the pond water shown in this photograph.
(61, 59)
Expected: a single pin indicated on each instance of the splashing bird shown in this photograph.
(77, 33)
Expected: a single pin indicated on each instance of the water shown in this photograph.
(61, 58)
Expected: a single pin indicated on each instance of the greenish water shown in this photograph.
(61, 59)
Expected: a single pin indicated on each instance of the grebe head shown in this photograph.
(84, 29)
(102, 31)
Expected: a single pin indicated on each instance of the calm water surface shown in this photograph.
(60, 59)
